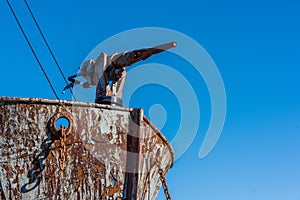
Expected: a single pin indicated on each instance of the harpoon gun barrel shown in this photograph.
(164, 47)
(131, 57)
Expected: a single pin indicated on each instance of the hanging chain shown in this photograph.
(162, 178)
(164, 184)
(62, 147)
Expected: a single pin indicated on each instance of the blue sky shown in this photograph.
(255, 45)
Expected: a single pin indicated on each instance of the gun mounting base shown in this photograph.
(109, 100)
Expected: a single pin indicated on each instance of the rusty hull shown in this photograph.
(108, 152)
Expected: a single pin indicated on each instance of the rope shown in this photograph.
(32, 50)
(48, 46)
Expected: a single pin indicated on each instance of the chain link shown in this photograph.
(164, 183)
(63, 147)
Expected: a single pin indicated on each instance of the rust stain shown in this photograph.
(80, 175)
(98, 168)
(31, 144)
(113, 190)
(32, 115)
(16, 192)
(7, 168)
(110, 136)
(15, 181)
(19, 170)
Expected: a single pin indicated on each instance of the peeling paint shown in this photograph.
(97, 151)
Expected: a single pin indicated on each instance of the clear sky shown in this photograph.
(255, 46)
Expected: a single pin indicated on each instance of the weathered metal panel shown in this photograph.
(92, 161)
(156, 153)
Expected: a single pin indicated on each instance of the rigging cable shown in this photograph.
(32, 50)
(48, 46)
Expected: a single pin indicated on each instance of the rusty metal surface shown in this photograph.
(97, 158)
